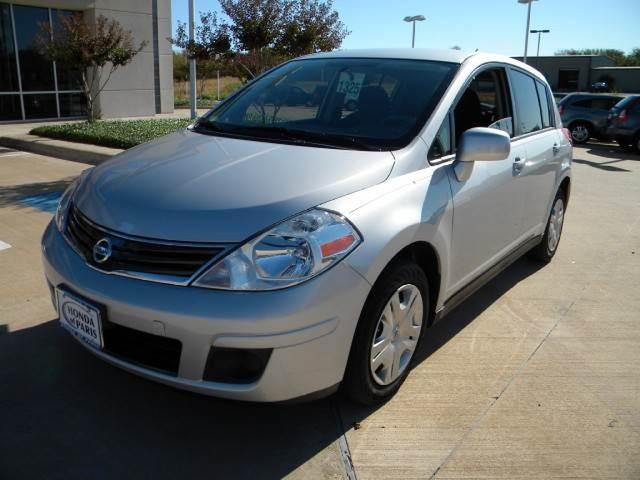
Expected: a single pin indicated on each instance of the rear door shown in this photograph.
(536, 134)
(600, 111)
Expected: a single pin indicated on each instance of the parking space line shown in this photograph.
(4, 246)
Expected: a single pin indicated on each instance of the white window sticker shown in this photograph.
(350, 84)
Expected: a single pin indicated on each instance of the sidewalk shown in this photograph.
(17, 136)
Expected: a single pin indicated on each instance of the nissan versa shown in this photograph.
(305, 233)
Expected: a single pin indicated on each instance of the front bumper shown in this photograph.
(308, 326)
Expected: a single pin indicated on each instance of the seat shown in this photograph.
(468, 113)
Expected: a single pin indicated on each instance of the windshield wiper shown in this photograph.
(295, 136)
(314, 138)
(208, 125)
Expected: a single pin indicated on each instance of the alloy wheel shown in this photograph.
(580, 133)
(396, 334)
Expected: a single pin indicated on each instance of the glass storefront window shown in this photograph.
(32, 87)
(36, 71)
(40, 105)
(8, 68)
(72, 105)
(10, 108)
(69, 78)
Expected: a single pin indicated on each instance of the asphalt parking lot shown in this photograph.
(536, 376)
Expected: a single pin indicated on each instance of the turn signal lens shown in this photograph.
(337, 246)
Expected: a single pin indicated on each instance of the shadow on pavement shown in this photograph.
(43, 195)
(65, 414)
(610, 153)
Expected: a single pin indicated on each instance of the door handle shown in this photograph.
(555, 148)
(517, 165)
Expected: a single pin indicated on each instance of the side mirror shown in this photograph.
(480, 144)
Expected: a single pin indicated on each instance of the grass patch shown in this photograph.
(180, 102)
(112, 133)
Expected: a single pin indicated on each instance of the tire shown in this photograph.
(580, 132)
(370, 383)
(624, 144)
(636, 143)
(547, 248)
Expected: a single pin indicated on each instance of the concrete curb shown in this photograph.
(75, 152)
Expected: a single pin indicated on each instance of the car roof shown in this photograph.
(439, 55)
(582, 95)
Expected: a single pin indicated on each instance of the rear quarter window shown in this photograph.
(586, 103)
(545, 107)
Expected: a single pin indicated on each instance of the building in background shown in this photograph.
(33, 88)
(573, 73)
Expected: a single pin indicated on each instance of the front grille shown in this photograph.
(141, 348)
(141, 256)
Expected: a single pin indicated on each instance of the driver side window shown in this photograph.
(485, 103)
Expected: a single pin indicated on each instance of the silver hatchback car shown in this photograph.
(305, 233)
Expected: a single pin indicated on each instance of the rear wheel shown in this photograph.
(624, 144)
(580, 132)
(636, 143)
(389, 331)
(546, 249)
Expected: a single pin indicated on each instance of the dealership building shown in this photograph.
(34, 88)
(573, 73)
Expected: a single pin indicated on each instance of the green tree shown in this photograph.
(210, 45)
(90, 50)
(310, 26)
(620, 58)
(211, 38)
(266, 32)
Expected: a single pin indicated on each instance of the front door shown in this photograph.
(488, 206)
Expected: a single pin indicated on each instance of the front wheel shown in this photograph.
(389, 331)
(551, 239)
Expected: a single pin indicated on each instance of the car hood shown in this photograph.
(200, 188)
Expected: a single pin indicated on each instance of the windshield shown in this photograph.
(624, 103)
(366, 104)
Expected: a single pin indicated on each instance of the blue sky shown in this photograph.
(488, 25)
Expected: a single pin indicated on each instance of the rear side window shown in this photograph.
(600, 103)
(587, 103)
(529, 117)
(604, 103)
(544, 105)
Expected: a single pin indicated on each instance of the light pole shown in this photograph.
(192, 62)
(526, 32)
(414, 19)
(539, 32)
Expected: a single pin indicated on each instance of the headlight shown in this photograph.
(65, 201)
(63, 205)
(290, 253)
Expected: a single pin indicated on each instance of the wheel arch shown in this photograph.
(425, 255)
(565, 186)
(592, 128)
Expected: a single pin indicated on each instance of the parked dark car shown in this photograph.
(624, 122)
(559, 96)
(585, 114)
(600, 87)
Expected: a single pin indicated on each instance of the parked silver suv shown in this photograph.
(287, 244)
